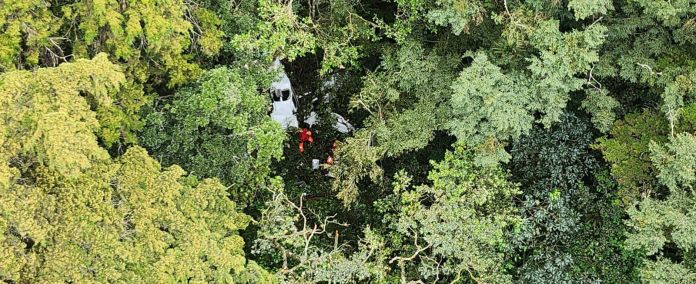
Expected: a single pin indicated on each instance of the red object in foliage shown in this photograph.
(329, 160)
(306, 135)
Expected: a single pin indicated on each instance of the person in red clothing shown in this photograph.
(305, 136)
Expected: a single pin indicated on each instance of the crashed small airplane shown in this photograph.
(285, 105)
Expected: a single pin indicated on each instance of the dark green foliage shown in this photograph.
(567, 213)
(627, 152)
(405, 107)
(492, 106)
(554, 158)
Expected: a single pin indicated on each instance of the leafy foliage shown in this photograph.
(455, 228)
(70, 213)
(406, 108)
(155, 42)
(661, 223)
(26, 28)
(628, 152)
(600, 105)
(304, 259)
(446, 97)
(675, 163)
(491, 107)
(47, 118)
(585, 8)
(136, 33)
(282, 31)
(652, 216)
(564, 215)
(458, 15)
(223, 116)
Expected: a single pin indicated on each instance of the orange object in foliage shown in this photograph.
(329, 160)
(301, 147)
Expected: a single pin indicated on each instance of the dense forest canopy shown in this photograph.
(433, 141)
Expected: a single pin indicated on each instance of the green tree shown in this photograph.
(662, 226)
(70, 213)
(136, 34)
(659, 37)
(627, 149)
(157, 43)
(416, 91)
(492, 107)
(572, 226)
(452, 230)
(628, 153)
(27, 28)
(306, 245)
(218, 127)
(475, 85)
(456, 228)
(406, 101)
(48, 116)
(336, 29)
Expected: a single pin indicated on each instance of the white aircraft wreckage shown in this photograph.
(283, 98)
(285, 105)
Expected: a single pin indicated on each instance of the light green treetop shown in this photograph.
(69, 213)
(47, 115)
(670, 221)
(491, 107)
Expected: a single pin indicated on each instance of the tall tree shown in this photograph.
(627, 149)
(159, 44)
(491, 107)
(455, 229)
(336, 29)
(218, 127)
(572, 227)
(306, 245)
(663, 225)
(406, 101)
(70, 213)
